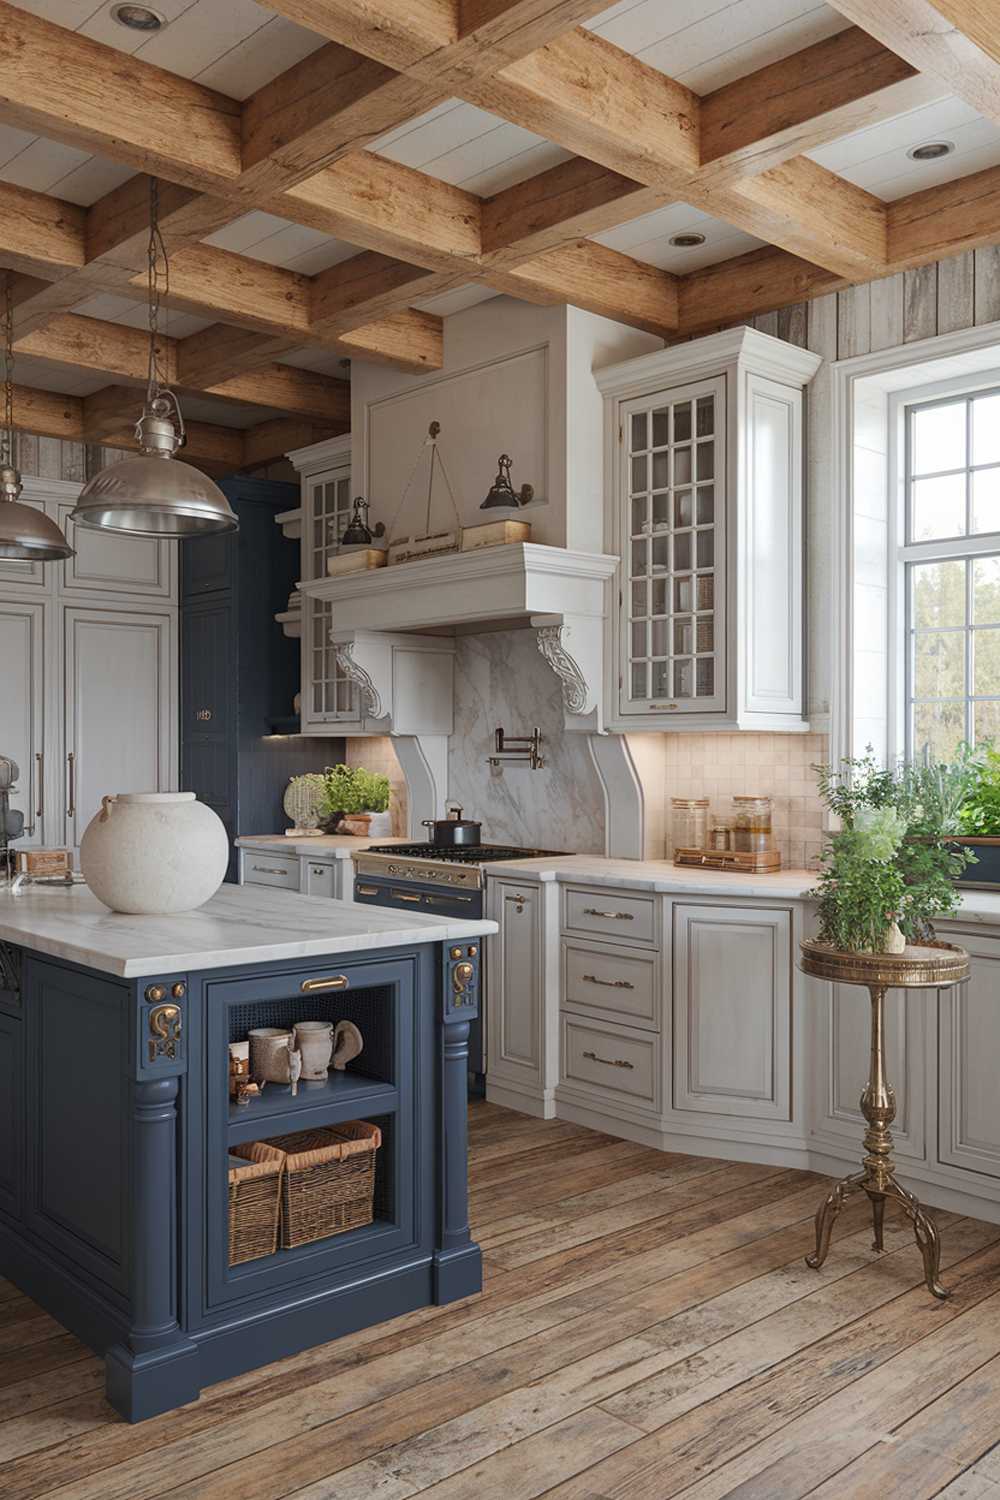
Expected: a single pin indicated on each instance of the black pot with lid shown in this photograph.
(453, 831)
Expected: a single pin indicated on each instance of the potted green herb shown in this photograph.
(891, 868)
(979, 816)
(350, 795)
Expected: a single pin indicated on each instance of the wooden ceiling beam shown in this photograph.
(114, 349)
(954, 40)
(757, 282)
(841, 84)
(943, 220)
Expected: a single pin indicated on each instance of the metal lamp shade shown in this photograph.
(154, 495)
(25, 532)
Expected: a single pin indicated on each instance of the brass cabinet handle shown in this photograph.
(611, 984)
(462, 976)
(318, 869)
(71, 764)
(40, 763)
(269, 869)
(334, 982)
(452, 896)
(611, 1062)
(407, 896)
(612, 916)
(367, 890)
(204, 714)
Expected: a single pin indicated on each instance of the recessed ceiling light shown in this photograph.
(138, 17)
(687, 241)
(931, 150)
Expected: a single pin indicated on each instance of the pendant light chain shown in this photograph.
(7, 440)
(157, 286)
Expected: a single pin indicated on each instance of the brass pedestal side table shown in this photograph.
(935, 967)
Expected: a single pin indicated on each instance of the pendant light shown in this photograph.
(155, 494)
(24, 531)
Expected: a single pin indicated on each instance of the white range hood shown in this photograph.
(559, 593)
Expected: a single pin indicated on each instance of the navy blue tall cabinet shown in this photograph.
(239, 672)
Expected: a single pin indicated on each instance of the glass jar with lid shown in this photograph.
(752, 825)
(690, 822)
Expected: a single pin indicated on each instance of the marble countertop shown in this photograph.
(325, 846)
(660, 875)
(239, 925)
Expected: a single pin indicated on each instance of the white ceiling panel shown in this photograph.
(112, 309)
(279, 242)
(705, 44)
(66, 380)
(456, 300)
(470, 148)
(648, 239)
(876, 158)
(232, 45)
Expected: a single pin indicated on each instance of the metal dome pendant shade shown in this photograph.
(155, 494)
(25, 532)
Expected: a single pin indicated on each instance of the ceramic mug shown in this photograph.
(269, 1049)
(314, 1039)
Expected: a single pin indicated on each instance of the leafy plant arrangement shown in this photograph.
(353, 789)
(894, 860)
(979, 815)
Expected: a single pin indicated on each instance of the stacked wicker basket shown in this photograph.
(301, 1187)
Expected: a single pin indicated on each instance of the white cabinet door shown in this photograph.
(672, 541)
(328, 696)
(515, 979)
(109, 562)
(23, 648)
(732, 1011)
(120, 685)
(969, 1062)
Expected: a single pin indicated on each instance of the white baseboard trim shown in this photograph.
(508, 1096)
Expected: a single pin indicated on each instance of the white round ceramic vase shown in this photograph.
(154, 853)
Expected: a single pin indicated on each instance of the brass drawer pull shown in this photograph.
(335, 982)
(452, 896)
(407, 896)
(611, 916)
(367, 890)
(611, 984)
(269, 869)
(611, 1062)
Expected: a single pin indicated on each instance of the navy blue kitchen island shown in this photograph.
(116, 1124)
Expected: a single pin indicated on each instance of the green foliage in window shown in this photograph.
(353, 789)
(980, 812)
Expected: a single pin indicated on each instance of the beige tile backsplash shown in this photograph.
(377, 754)
(720, 766)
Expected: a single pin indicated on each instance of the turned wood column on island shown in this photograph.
(927, 967)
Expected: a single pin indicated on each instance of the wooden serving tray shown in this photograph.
(730, 859)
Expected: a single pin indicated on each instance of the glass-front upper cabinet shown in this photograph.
(328, 696)
(704, 481)
(674, 555)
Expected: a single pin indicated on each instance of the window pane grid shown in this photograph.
(333, 694)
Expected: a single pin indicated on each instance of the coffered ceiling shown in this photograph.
(337, 178)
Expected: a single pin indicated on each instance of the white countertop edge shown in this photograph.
(240, 925)
(325, 846)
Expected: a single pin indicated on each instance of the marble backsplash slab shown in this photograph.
(500, 679)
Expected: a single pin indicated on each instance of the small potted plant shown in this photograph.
(891, 867)
(350, 795)
(979, 816)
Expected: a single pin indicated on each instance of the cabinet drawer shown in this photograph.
(319, 878)
(608, 913)
(625, 984)
(271, 869)
(603, 1060)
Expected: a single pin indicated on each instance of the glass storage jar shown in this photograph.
(752, 830)
(690, 822)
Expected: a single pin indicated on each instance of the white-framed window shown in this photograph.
(947, 584)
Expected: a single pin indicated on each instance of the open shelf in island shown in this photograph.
(344, 1096)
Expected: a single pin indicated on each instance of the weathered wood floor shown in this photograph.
(648, 1329)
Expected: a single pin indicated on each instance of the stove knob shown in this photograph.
(393, 870)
